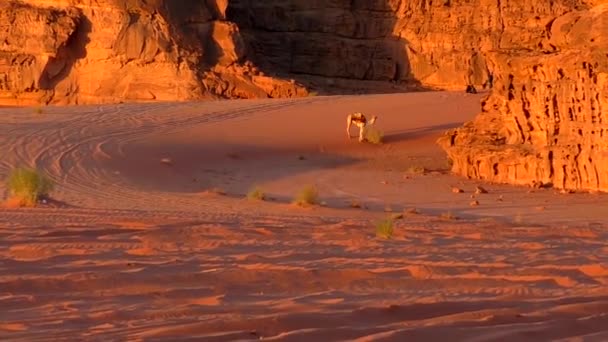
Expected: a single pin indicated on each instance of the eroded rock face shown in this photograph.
(107, 51)
(444, 44)
(96, 51)
(546, 120)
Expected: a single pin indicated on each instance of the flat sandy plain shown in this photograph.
(133, 248)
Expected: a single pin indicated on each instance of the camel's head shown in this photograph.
(373, 120)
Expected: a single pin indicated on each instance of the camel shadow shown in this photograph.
(394, 137)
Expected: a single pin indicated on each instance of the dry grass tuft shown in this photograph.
(448, 216)
(374, 135)
(416, 170)
(256, 194)
(27, 187)
(384, 229)
(307, 196)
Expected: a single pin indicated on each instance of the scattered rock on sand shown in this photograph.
(457, 190)
(412, 211)
(166, 161)
(355, 204)
(397, 216)
(480, 190)
(474, 203)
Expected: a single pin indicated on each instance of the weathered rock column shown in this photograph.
(546, 120)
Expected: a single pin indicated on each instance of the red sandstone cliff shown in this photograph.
(100, 51)
(546, 121)
(83, 51)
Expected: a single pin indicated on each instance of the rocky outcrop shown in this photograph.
(96, 51)
(546, 121)
(434, 44)
(108, 51)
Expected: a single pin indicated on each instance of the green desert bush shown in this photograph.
(374, 135)
(384, 229)
(27, 186)
(307, 196)
(256, 194)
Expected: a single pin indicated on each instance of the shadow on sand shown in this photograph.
(234, 169)
(410, 134)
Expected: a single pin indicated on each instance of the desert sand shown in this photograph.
(149, 235)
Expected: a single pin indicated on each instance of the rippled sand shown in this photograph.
(139, 242)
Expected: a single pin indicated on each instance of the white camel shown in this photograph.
(360, 121)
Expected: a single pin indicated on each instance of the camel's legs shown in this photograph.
(361, 133)
(349, 121)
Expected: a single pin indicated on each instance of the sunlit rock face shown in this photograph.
(108, 51)
(545, 122)
(99, 51)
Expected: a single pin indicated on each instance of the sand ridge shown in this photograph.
(133, 248)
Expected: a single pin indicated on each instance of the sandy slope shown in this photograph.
(142, 250)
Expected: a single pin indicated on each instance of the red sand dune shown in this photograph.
(138, 245)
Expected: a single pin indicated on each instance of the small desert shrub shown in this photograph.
(448, 216)
(417, 170)
(313, 94)
(256, 194)
(307, 196)
(217, 191)
(374, 135)
(355, 204)
(39, 110)
(518, 219)
(384, 229)
(27, 186)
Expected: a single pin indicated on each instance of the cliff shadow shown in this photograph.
(410, 134)
(59, 67)
(233, 168)
(350, 50)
